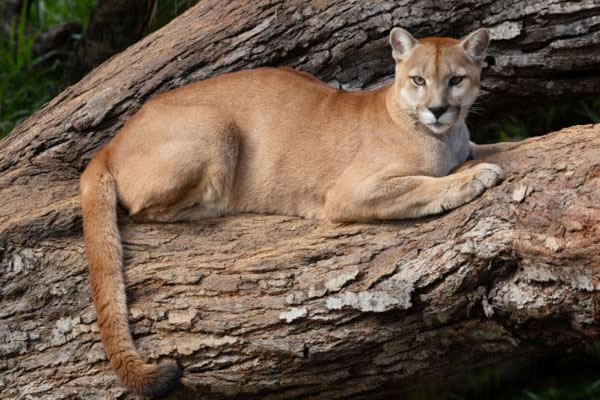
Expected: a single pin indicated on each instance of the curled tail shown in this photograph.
(104, 253)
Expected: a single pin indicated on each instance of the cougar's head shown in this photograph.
(437, 79)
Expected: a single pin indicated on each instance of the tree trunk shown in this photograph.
(275, 307)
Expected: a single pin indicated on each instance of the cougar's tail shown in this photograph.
(103, 248)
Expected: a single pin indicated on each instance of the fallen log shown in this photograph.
(279, 307)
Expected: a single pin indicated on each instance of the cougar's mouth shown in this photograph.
(438, 127)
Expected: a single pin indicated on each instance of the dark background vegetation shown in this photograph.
(46, 45)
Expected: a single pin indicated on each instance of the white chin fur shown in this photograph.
(438, 128)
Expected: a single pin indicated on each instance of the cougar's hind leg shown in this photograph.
(186, 175)
(209, 193)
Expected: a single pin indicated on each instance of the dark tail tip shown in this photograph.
(162, 379)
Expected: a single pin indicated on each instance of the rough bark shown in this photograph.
(279, 307)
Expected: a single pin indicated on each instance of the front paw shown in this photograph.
(472, 184)
(486, 175)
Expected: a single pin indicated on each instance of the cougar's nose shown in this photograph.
(438, 111)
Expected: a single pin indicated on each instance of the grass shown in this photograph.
(25, 85)
(23, 88)
(45, 14)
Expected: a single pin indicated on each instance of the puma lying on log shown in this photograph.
(278, 141)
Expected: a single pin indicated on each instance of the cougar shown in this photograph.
(278, 141)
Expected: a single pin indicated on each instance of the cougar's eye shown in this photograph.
(456, 80)
(418, 80)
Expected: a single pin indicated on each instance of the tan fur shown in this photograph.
(282, 142)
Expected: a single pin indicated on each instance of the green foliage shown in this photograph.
(25, 85)
(45, 14)
(23, 88)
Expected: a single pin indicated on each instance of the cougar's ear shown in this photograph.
(402, 43)
(475, 44)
